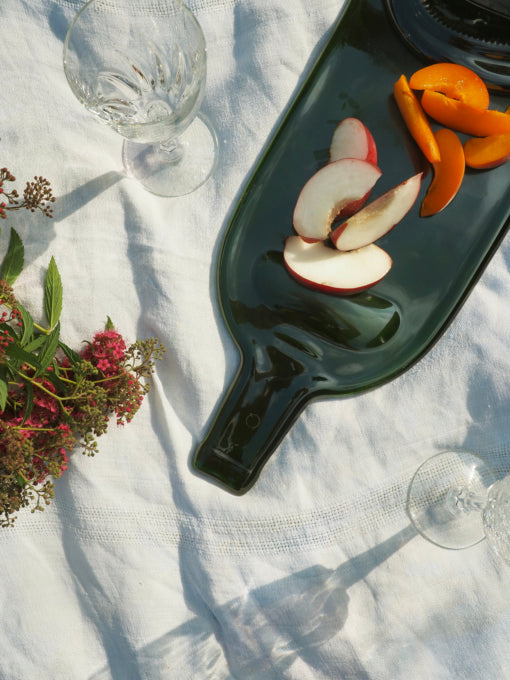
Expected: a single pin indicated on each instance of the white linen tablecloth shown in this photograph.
(142, 570)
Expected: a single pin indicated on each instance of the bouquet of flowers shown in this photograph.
(53, 398)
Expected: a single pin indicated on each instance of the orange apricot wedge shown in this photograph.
(416, 120)
(448, 173)
(487, 152)
(459, 116)
(453, 80)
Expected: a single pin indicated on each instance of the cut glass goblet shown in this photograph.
(140, 67)
(455, 500)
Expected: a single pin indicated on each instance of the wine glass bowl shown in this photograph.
(455, 500)
(142, 71)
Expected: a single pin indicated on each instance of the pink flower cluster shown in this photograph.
(56, 420)
(47, 436)
(6, 176)
(106, 351)
(12, 316)
(125, 393)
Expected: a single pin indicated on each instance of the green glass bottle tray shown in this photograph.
(296, 344)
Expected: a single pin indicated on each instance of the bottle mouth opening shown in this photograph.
(474, 33)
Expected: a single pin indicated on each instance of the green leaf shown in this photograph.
(14, 351)
(28, 325)
(48, 350)
(12, 264)
(35, 344)
(52, 294)
(3, 394)
(29, 402)
(73, 356)
(109, 324)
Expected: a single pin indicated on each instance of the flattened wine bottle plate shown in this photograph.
(296, 344)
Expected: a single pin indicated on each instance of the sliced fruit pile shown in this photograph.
(334, 248)
(456, 97)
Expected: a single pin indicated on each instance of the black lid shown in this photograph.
(475, 33)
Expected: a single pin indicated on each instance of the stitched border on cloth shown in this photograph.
(382, 509)
(194, 5)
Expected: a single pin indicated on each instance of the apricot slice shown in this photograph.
(487, 152)
(415, 119)
(455, 114)
(448, 173)
(453, 80)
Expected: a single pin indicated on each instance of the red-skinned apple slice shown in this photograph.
(323, 268)
(378, 217)
(352, 139)
(336, 189)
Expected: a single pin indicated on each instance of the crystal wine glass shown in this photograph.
(140, 67)
(455, 500)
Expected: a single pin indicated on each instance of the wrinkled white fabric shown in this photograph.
(142, 570)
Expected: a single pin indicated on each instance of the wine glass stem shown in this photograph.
(461, 498)
(173, 148)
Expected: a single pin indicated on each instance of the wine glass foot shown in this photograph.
(176, 171)
(446, 498)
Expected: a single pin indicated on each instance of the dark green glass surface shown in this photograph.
(296, 344)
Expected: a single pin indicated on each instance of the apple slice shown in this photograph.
(378, 217)
(337, 188)
(352, 139)
(321, 267)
